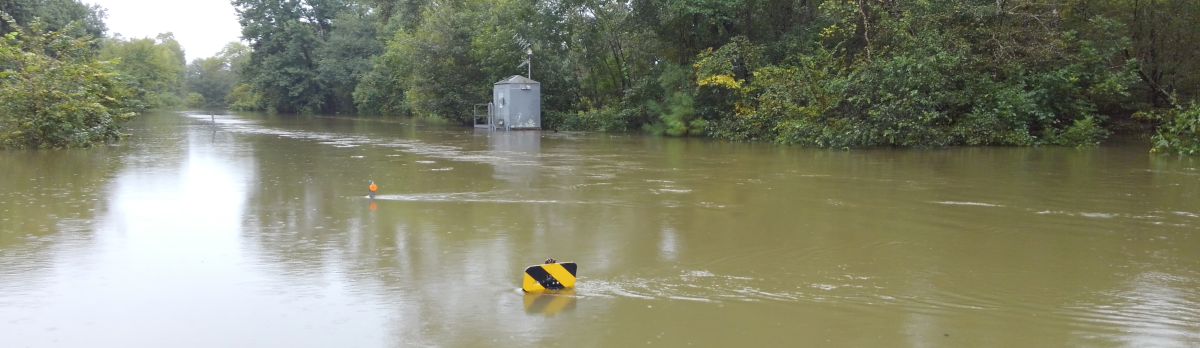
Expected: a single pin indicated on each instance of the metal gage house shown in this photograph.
(517, 101)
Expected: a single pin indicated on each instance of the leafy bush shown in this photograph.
(244, 98)
(1083, 132)
(610, 119)
(54, 93)
(194, 100)
(928, 78)
(1179, 132)
(677, 117)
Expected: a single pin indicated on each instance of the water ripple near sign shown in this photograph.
(704, 286)
(465, 197)
(968, 203)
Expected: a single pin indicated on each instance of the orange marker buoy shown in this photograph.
(371, 189)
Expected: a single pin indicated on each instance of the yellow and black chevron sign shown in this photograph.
(551, 276)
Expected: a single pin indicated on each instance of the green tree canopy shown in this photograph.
(214, 78)
(286, 36)
(154, 67)
(827, 73)
(54, 93)
(56, 15)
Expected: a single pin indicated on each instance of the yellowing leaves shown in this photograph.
(722, 81)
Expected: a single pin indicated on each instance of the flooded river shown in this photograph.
(239, 230)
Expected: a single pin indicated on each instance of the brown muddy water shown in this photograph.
(256, 230)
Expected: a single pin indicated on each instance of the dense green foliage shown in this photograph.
(153, 67)
(210, 80)
(1179, 132)
(924, 76)
(54, 93)
(302, 60)
(55, 15)
(1162, 36)
(826, 73)
(63, 84)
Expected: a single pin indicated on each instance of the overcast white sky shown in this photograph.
(203, 27)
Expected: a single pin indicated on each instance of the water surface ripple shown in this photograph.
(244, 229)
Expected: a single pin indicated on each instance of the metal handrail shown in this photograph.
(490, 116)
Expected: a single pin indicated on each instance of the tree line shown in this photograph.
(823, 73)
(64, 83)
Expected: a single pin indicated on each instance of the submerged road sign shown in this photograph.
(551, 276)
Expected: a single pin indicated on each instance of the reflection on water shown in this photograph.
(239, 230)
(518, 153)
(1155, 310)
(550, 302)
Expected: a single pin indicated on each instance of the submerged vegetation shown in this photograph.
(1178, 132)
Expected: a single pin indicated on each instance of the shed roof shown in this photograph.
(517, 79)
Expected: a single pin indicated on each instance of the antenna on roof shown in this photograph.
(528, 55)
